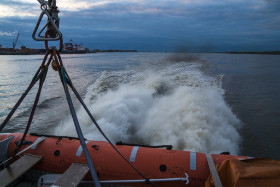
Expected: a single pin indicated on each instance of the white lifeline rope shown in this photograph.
(213, 171)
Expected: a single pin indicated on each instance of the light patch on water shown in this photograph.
(176, 104)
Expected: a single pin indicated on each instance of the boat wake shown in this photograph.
(165, 102)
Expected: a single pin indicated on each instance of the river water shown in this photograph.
(199, 102)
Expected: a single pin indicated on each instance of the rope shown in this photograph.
(39, 140)
(75, 119)
(42, 77)
(33, 82)
(65, 79)
(53, 34)
(39, 75)
(68, 80)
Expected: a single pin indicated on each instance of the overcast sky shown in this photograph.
(152, 25)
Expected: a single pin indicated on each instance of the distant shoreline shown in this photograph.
(253, 52)
(2, 52)
(9, 52)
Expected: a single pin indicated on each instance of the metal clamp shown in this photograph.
(50, 10)
(60, 42)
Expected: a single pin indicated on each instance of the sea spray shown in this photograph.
(171, 103)
(191, 119)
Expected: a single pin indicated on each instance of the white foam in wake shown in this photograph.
(182, 107)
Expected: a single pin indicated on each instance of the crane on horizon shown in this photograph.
(15, 43)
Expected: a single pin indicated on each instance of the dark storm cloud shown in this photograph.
(236, 25)
(163, 25)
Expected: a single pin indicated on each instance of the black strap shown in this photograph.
(168, 147)
(42, 77)
(69, 82)
(33, 82)
(66, 81)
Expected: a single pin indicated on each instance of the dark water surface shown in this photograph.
(206, 102)
(252, 85)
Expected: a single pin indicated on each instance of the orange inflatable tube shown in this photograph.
(59, 153)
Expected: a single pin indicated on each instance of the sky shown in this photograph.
(152, 25)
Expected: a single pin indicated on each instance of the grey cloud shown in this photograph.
(161, 25)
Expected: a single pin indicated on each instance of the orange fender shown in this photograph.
(59, 153)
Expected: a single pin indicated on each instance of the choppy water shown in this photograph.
(192, 102)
